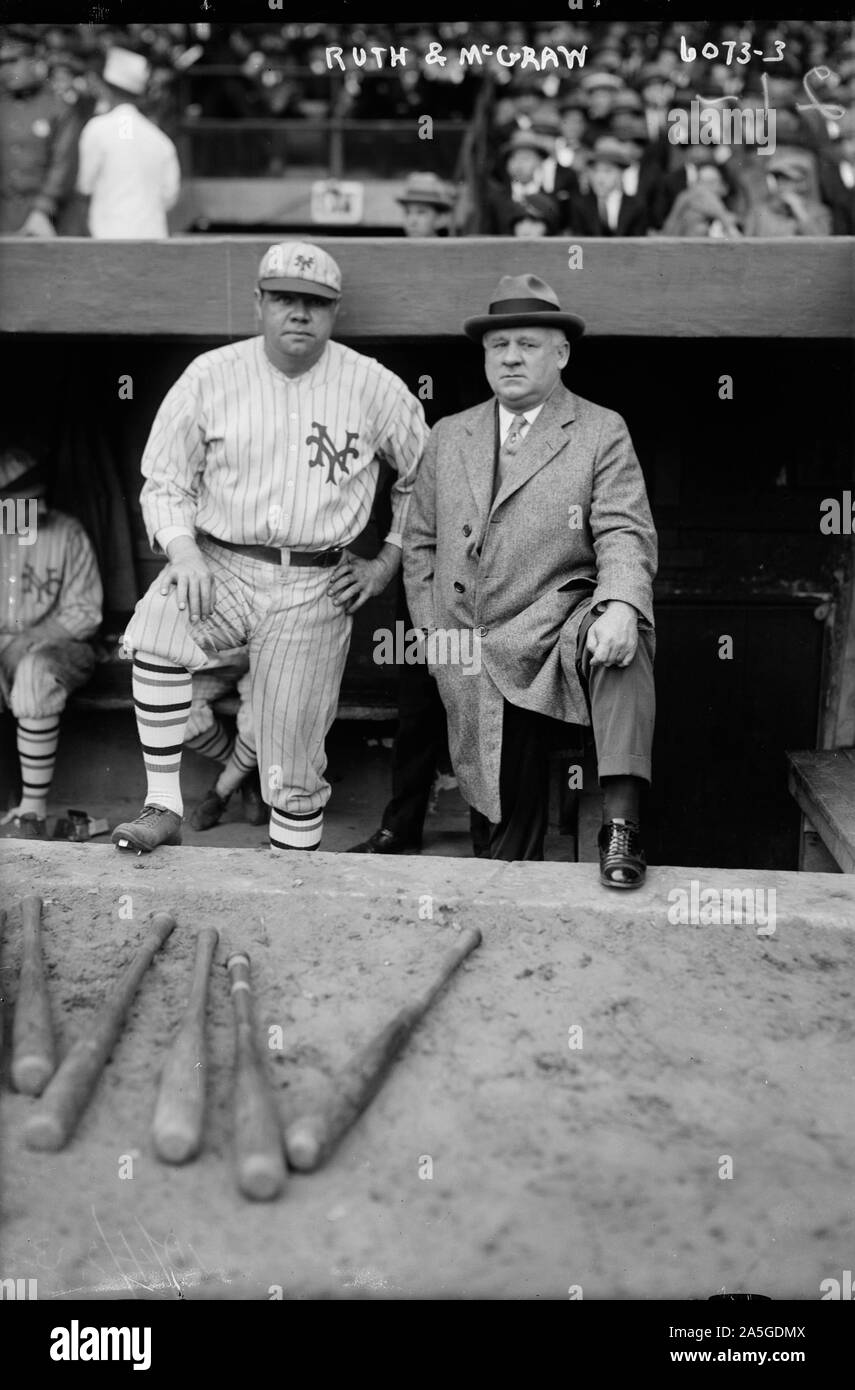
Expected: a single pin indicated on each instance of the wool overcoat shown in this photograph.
(569, 528)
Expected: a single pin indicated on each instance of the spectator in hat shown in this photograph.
(38, 140)
(128, 168)
(560, 171)
(600, 89)
(791, 205)
(536, 216)
(657, 92)
(50, 609)
(524, 157)
(638, 177)
(606, 210)
(426, 205)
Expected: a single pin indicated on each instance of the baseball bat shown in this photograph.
(261, 1171)
(180, 1109)
(33, 1047)
(310, 1138)
(59, 1110)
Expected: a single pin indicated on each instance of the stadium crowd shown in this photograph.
(588, 151)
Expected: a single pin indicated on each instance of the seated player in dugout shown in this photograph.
(426, 205)
(261, 469)
(50, 609)
(529, 527)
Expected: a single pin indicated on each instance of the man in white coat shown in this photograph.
(128, 168)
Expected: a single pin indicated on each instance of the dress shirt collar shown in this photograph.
(507, 417)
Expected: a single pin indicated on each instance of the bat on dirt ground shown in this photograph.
(59, 1110)
(310, 1138)
(180, 1111)
(261, 1170)
(33, 1046)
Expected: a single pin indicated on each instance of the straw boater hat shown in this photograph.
(425, 188)
(524, 301)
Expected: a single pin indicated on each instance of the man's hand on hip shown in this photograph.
(354, 580)
(188, 572)
(612, 640)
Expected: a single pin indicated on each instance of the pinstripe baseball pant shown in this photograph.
(297, 641)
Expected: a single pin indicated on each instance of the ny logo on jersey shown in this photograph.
(48, 587)
(327, 452)
(305, 262)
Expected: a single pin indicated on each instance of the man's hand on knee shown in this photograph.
(612, 640)
(189, 573)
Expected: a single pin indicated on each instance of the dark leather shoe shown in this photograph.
(622, 862)
(210, 810)
(384, 842)
(254, 810)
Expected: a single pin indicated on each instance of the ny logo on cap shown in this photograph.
(305, 262)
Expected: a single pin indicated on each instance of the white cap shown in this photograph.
(300, 266)
(126, 70)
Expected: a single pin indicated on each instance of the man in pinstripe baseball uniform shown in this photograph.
(50, 608)
(260, 469)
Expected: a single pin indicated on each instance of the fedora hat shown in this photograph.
(521, 301)
(528, 140)
(608, 150)
(425, 188)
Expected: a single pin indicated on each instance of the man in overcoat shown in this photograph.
(530, 534)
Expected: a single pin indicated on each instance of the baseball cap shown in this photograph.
(300, 267)
(19, 471)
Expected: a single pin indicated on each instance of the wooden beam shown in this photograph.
(201, 287)
(823, 784)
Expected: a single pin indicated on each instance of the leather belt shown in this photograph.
(324, 559)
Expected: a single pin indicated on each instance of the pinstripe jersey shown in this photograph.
(247, 454)
(53, 584)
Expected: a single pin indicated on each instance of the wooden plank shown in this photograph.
(201, 287)
(823, 784)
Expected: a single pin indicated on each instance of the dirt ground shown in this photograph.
(597, 1168)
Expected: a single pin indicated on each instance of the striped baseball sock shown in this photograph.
(216, 742)
(289, 831)
(37, 744)
(162, 696)
(240, 763)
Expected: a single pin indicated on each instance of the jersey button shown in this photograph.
(467, 530)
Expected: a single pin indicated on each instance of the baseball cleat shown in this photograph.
(210, 810)
(153, 826)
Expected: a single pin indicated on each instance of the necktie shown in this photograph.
(510, 449)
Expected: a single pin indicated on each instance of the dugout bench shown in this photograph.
(823, 785)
